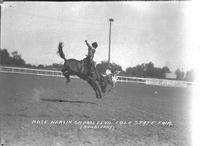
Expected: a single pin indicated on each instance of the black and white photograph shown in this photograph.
(116, 73)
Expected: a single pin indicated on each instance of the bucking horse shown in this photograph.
(80, 69)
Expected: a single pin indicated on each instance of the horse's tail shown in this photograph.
(60, 51)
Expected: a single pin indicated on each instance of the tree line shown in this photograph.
(140, 70)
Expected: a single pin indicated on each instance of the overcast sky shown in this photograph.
(141, 31)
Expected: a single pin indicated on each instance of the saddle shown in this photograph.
(86, 60)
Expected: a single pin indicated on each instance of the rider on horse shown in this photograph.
(91, 51)
(109, 73)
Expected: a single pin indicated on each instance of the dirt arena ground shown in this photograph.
(43, 111)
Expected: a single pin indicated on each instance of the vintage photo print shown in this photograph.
(118, 73)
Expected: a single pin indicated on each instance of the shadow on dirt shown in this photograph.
(70, 101)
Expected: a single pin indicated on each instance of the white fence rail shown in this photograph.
(40, 72)
(148, 81)
(153, 81)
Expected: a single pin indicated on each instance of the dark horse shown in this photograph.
(80, 69)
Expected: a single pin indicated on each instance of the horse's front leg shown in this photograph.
(114, 84)
(95, 87)
(103, 85)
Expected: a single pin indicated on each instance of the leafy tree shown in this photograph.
(131, 70)
(179, 74)
(4, 57)
(147, 70)
(29, 66)
(116, 67)
(140, 70)
(54, 66)
(190, 76)
(165, 69)
(15, 59)
(40, 66)
(101, 67)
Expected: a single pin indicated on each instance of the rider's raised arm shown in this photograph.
(88, 44)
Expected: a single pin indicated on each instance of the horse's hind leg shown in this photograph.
(103, 86)
(66, 74)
